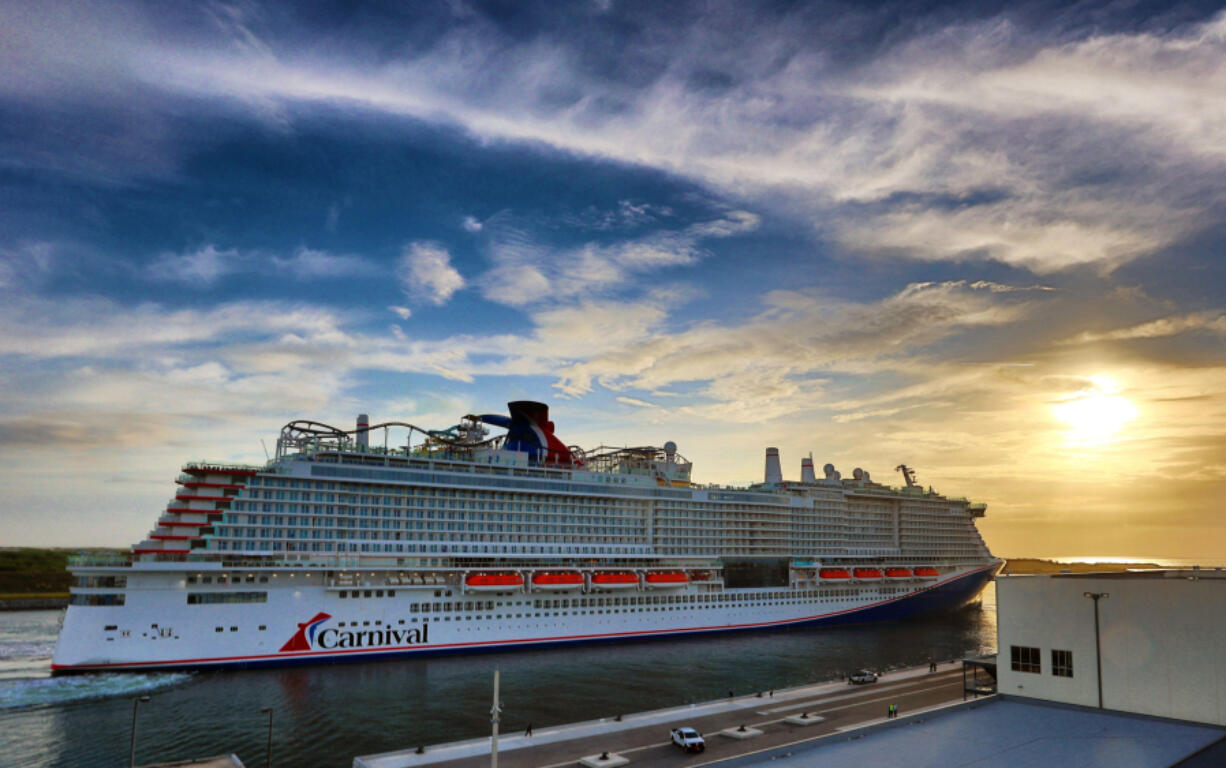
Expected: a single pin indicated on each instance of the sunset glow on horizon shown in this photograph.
(986, 244)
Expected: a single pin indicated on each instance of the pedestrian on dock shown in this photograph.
(730, 694)
(528, 730)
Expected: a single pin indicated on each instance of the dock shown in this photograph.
(732, 727)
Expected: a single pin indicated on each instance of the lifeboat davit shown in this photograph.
(927, 572)
(834, 573)
(667, 579)
(898, 573)
(493, 582)
(557, 580)
(867, 574)
(615, 580)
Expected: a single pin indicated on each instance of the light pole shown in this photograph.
(1098, 649)
(268, 746)
(132, 747)
(495, 711)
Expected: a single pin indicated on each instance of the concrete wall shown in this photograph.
(1163, 641)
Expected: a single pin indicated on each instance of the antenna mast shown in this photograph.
(908, 474)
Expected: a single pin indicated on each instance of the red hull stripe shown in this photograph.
(564, 638)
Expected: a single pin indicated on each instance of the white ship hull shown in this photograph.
(155, 629)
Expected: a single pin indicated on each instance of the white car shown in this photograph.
(688, 739)
(862, 676)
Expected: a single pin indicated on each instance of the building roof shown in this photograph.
(1004, 733)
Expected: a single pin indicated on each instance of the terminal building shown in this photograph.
(1143, 642)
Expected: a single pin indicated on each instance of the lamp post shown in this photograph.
(132, 747)
(1098, 649)
(268, 746)
(495, 711)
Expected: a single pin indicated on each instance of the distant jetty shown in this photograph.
(1024, 565)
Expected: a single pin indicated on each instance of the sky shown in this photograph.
(986, 242)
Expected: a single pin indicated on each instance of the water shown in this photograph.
(325, 715)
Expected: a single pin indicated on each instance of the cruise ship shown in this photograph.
(345, 546)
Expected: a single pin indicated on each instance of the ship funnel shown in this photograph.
(806, 470)
(363, 435)
(774, 474)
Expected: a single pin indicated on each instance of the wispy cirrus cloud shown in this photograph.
(525, 272)
(970, 140)
(208, 263)
(203, 265)
(1163, 327)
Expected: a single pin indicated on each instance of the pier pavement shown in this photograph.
(643, 738)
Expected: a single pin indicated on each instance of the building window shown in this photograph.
(1024, 659)
(1062, 663)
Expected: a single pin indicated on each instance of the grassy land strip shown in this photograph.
(35, 572)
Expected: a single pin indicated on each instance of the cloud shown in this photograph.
(1213, 322)
(26, 264)
(471, 224)
(525, 272)
(404, 313)
(202, 266)
(309, 263)
(208, 264)
(1040, 147)
(779, 361)
(425, 272)
(634, 401)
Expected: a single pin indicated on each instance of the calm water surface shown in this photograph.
(326, 715)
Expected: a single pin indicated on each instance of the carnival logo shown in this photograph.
(304, 638)
(310, 637)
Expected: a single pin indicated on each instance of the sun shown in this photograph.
(1097, 415)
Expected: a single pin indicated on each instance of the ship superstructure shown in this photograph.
(342, 547)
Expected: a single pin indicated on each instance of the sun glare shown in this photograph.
(1096, 416)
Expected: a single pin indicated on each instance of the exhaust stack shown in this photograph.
(774, 474)
(806, 470)
(363, 436)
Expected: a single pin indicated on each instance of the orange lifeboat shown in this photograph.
(898, 573)
(493, 582)
(615, 580)
(867, 574)
(701, 575)
(667, 579)
(927, 572)
(834, 573)
(557, 580)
